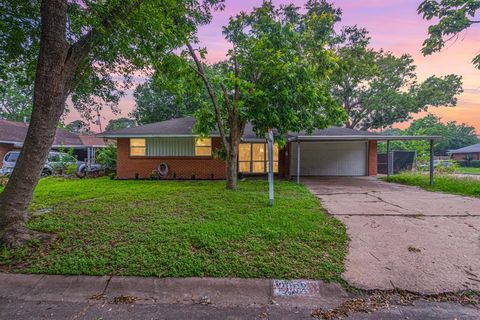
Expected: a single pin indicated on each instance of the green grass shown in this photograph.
(180, 229)
(444, 183)
(468, 170)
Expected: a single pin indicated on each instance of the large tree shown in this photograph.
(156, 100)
(378, 89)
(120, 123)
(452, 135)
(79, 49)
(451, 17)
(274, 77)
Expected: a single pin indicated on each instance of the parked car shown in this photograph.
(55, 161)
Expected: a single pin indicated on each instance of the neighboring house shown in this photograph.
(470, 152)
(329, 152)
(12, 135)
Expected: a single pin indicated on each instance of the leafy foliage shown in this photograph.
(107, 157)
(121, 123)
(378, 89)
(452, 17)
(161, 99)
(453, 136)
(78, 126)
(123, 37)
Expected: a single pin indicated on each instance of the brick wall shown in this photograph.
(4, 148)
(183, 167)
(461, 156)
(372, 158)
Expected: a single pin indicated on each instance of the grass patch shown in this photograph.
(445, 183)
(180, 229)
(467, 170)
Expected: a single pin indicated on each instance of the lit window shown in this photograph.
(138, 147)
(203, 147)
(253, 158)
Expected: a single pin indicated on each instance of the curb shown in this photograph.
(221, 292)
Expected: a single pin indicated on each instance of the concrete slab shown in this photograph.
(69, 288)
(16, 285)
(403, 236)
(217, 291)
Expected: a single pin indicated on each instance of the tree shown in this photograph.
(157, 101)
(452, 135)
(120, 123)
(378, 89)
(78, 126)
(77, 47)
(270, 78)
(452, 17)
(15, 93)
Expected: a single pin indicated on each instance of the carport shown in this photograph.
(306, 153)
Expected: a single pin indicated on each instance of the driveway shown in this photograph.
(404, 237)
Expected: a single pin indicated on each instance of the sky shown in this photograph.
(394, 25)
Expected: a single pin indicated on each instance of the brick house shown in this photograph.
(172, 144)
(471, 152)
(12, 135)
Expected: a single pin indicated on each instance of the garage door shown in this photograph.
(330, 159)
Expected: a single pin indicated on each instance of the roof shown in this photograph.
(184, 127)
(15, 132)
(92, 140)
(470, 149)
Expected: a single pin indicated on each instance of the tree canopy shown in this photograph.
(453, 135)
(120, 123)
(378, 89)
(156, 100)
(275, 76)
(451, 17)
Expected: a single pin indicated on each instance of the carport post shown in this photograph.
(298, 161)
(431, 162)
(388, 158)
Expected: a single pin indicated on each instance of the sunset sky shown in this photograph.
(394, 26)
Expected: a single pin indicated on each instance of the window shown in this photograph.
(203, 147)
(253, 158)
(138, 147)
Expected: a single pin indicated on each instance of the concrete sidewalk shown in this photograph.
(85, 297)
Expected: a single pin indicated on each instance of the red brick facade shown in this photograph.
(372, 158)
(183, 167)
(462, 156)
(202, 167)
(4, 148)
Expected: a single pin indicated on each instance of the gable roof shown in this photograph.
(470, 149)
(15, 132)
(184, 127)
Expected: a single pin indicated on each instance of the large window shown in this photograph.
(138, 147)
(253, 158)
(203, 147)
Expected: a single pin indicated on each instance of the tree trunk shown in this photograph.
(232, 168)
(50, 93)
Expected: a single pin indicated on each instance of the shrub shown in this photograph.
(107, 157)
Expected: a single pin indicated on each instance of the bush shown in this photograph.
(469, 163)
(107, 157)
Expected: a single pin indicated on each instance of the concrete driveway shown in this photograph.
(404, 237)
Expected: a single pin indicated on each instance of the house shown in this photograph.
(12, 135)
(329, 152)
(471, 152)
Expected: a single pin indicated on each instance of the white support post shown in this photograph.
(270, 166)
(298, 161)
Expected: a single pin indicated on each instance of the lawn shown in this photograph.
(445, 183)
(467, 170)
(180, 229)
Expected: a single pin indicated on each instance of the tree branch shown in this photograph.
(211, 93)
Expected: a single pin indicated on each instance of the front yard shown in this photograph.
(180, 229)
(444, 183)
(467, 170)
